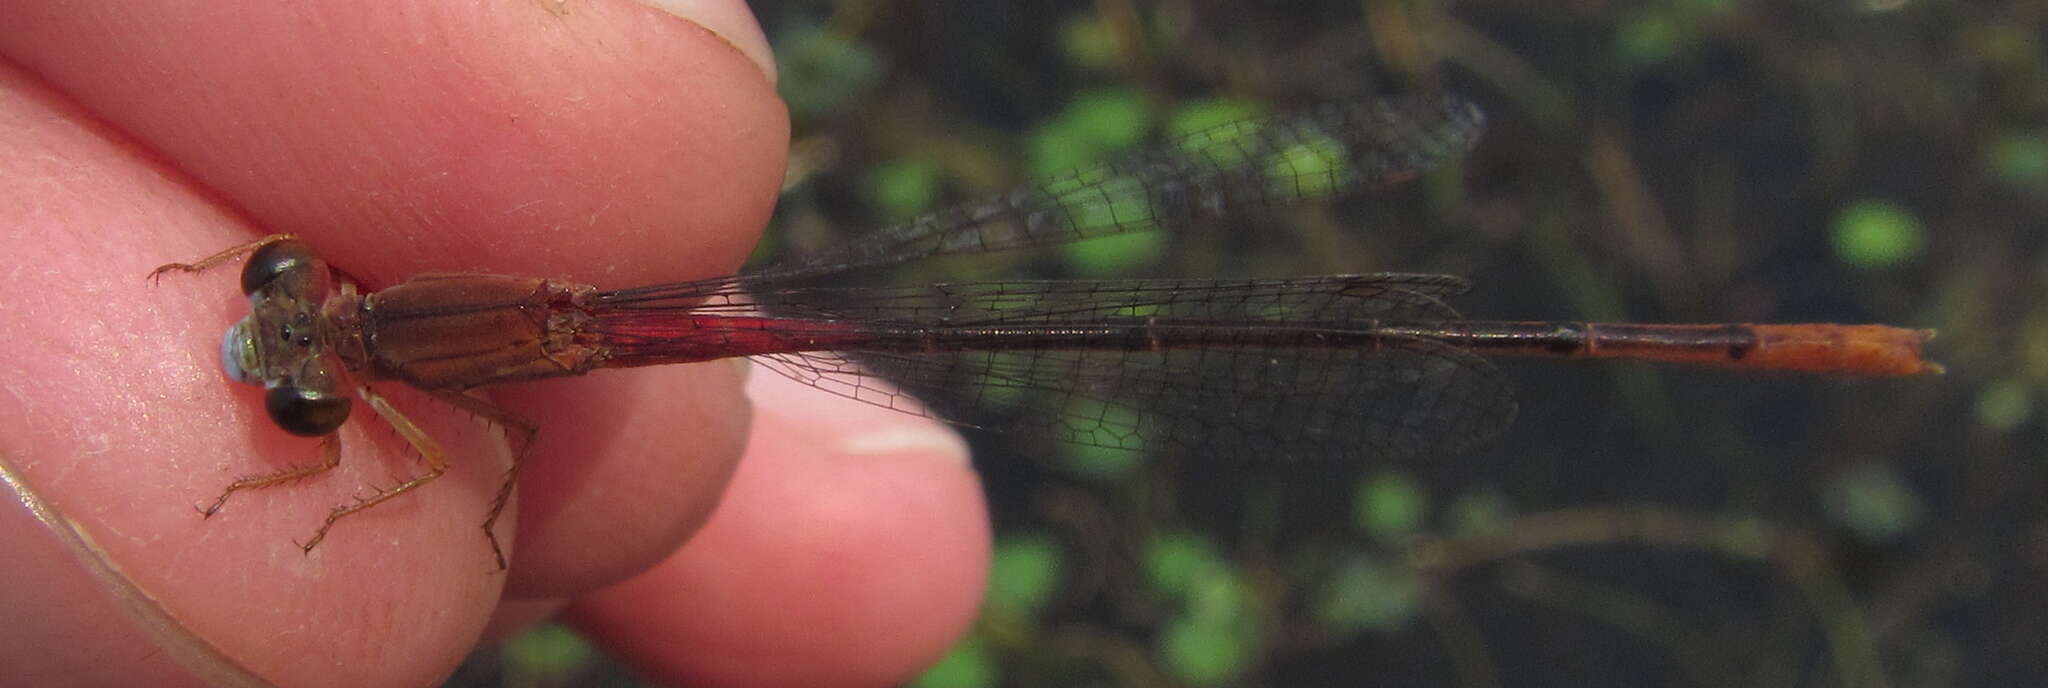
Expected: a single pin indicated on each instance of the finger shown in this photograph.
(852, 550)
(339, 178)
(113, 419)
(623, 471)
(490, 138)
(607, 142)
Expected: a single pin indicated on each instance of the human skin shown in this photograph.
(602, 142)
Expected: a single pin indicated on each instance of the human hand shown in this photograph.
(606, 143)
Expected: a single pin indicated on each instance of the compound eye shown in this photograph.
(272, 262)
(304, 412)
(238, 354)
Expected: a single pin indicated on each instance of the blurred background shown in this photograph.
(1882, 161)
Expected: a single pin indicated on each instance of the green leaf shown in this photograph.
(1111, 422)
(1873, 233)
(903, 188)
(1872, 501)
(967, 665)
(1110, 119)
(2004, 405)
(1202, 115)
(2020, 160)
(1089, 44)
(1204, 652)
(1023, 575)
(1314, 167)
(820, 71)
(1101, 464)
(1056, 150)
(1389, 506)
(1115, 254)
(1174, 561)
(547, 651)
(1218, 593)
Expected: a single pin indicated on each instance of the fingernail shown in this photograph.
(727, 19)
(848, 427)
(906, 439)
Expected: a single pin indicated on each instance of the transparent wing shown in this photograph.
(1404, 398)
(1386, 295)
(1319, 153)
(1301, 369)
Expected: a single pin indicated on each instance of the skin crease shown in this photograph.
(602, 142)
